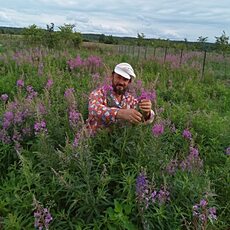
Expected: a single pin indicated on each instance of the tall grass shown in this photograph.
(134, 177)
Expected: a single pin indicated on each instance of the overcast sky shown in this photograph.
(166, 19)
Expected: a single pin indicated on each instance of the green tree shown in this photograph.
(67, 36)
(51, 27)
(140, 39)
(222, 42)
(102, 38)
(109, 39)
(223, 46)
(202, 42)
(77, 39)
(50, 38)
(33, 35)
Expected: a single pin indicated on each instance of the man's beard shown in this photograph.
(119, 88)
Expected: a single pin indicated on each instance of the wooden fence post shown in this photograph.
(146, 52)
(166, 49)
(204, 59)
(139, 52)
(154, 52)
(181, 56)
(225, 64)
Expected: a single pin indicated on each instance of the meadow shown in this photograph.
(172, 174)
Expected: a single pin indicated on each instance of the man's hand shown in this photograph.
(145, 106)
(130, 115)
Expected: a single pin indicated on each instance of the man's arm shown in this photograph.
(98, 109)
(130, 115)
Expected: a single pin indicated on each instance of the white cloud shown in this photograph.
(58, 2)
(4, 16)
(167, 19)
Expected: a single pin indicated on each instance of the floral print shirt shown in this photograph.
(103, 107)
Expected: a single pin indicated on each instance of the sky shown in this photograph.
(164, 19)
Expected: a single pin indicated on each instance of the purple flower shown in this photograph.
(4, 97)
(49, 83)
(203, 203)
(212, 213)
(172, 167)
(4, 137)
(202, 212)
(31, 93)
(141, 184)
(9, 115)
(40, 127)
(43, 124)
(8, 118)
(194, 152)
(163, 196)
(26, 131)
(18, 117)
(187, 134)
(202, 217)
(20, 83)
(41, 109)
(94, 61)
(37, 127)
(69, 92)
(158, 129)
(76, 140)
(143, 190)
(228, 151)
(37, 214)
(42, 218)
(40, 69)
(147, 95)
(139, 84)
(74, 63)
(192, 161)
(154, 196)
(48, 219)
(17, 136)
(74, 117)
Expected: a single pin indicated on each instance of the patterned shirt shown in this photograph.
(103, 107)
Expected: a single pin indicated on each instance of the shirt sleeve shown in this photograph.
(98, 108)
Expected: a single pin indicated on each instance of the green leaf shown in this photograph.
(118, 207)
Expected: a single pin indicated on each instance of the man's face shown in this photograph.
(119, 83)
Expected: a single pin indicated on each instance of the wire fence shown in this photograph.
(204, 61)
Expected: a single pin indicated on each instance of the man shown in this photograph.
(112, 104)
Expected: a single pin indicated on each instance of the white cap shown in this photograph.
(125, 70)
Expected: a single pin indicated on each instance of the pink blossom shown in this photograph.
(158, 129)
(49, 83)
(4, 97)
(187, 134)
(20, 83)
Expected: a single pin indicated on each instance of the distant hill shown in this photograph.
(91, 37)
(10, 30)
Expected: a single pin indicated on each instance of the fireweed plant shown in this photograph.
(172, 174)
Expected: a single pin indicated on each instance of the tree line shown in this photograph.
(66, 35)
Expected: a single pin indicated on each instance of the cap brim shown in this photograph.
(122, 73)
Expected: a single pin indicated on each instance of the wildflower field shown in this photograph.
(173, 174)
